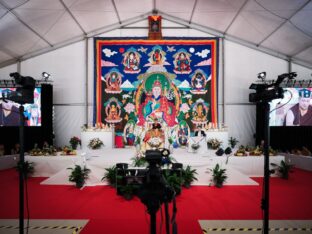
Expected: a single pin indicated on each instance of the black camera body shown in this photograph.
(154, 191)
(268, 92)
(25, 93)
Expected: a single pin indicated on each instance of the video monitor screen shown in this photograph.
(295, 109)
(9, 111)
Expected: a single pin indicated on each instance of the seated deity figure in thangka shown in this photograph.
(131, 61)
(198, 82)
(113, 110)
(113, 81)
(157, 98)
(200, 111)
(182, 62)
(157, 56)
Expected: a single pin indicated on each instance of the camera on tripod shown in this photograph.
(268, 92)
(25, 93)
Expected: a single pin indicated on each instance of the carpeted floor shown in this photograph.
(109, 213)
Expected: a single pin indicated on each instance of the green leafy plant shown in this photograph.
(79, 175)
(28, 168)
(283, 169)
(128, 191)
(188, 176)
(218, 176)
(173, 180)
(110, 176)
(138, 161)
(233, 142)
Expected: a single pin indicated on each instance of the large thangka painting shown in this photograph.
(173, 81)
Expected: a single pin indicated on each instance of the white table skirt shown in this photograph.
(220, 135)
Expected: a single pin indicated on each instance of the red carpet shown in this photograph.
(109, 213)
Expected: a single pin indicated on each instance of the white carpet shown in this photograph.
(239, 169)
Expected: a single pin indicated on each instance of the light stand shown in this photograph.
(266, 93)
(266, 186)
(21, 171)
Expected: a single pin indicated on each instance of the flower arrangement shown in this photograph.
(74, 142)
(95, 143)
(154, 142)
(66, 150)
(213, 143)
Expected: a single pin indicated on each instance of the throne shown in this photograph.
(154, 137)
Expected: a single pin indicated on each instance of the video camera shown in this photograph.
(155, 190)
(25, 93)
(268, 92)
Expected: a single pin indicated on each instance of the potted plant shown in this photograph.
(218, 176)
(283, 169)
(213, 143)
(79, 175)
(110, 176)
(233, 142)
(139, 161)
(74, 142)
(195, 146)
(95, 143)
(188, 176)
(28, 168)
(127, 191)
(173, 180)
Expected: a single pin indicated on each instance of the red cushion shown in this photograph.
(119, 142)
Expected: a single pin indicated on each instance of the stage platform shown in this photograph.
(239, 169)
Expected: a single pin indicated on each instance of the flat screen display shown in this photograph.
(295, 109)
(9, 111)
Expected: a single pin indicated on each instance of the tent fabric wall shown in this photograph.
(68, 68)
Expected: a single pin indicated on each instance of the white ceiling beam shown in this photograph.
(283, 23)
(301, 50)
(220, 34)
(78, 39)
(24, 23)
(8, 52)
(116, 11)
(236, 15)
(193, 10)
(72, 16)
(186, 23)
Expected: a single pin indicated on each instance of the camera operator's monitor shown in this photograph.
(9, 111)
(295, 109)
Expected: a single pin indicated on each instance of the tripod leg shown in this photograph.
(153, 222)
(167, 218)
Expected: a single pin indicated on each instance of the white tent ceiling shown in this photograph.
(278, 27)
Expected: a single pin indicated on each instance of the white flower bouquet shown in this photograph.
(154, 142)
(214, 143)
(95, 143)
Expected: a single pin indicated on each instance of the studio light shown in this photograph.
(262, 76)
(45, 76)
